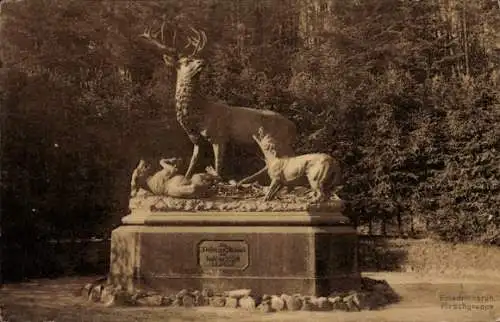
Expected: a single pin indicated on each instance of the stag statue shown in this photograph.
(217, 122)
(319, 169)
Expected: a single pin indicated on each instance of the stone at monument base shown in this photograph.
(270, 253)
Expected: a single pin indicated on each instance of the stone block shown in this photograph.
(277, 303)
(307, 305)
(231, 302)
(292, 303)
(150, 300)
(322, 304)
(264, 307)
(267, 253)
(95, 293)
(237, 294)
(188, 300)
(217, 301)
(85, 290)
(248, 303)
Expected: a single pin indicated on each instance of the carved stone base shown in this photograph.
(270, 253)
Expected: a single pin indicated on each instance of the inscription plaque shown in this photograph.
(223, 254)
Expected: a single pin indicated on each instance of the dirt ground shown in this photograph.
(425, 298)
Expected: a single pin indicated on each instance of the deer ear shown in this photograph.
(261, 132)
(169, 60)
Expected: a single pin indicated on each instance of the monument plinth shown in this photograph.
(310, 251)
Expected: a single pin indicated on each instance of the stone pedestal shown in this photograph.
(270, 253)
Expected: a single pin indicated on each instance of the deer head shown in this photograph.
(186, 64)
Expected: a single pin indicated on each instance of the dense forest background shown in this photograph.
(405, 93)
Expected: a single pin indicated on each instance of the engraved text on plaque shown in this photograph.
(223, 254)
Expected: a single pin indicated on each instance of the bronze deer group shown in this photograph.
(219, 123)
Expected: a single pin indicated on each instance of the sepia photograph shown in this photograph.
(250, 160)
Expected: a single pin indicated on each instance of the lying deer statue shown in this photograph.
(217, 122)
(319, 169)
(167, 182)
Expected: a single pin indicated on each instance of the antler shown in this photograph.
(198, 41)
(153, 39)
(147, 35)
(261, 133)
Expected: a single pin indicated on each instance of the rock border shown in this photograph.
(373, 295)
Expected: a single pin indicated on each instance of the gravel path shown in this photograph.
(425, 298)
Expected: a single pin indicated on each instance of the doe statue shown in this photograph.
(321, 170)
(217, 122)
(167, 182)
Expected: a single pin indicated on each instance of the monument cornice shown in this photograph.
(221, 218)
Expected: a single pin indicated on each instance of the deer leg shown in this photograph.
(273, 190)
(219, 149)
(253, 176)
(317, 182)
(194, 159)
(319, 196)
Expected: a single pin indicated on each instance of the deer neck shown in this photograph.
(269, 158)
(186, 91)
(188, 102)
(275, 167)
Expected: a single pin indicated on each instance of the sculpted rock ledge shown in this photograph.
(287, 203)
